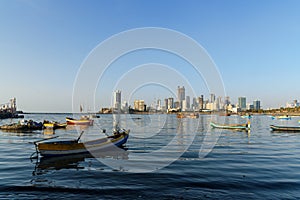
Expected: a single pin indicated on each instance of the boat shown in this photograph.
(193, 115)
(285, 128)
(224, 114)
(73, 147)
(231, 126)
(246, 116)
(85, 120)
(284, 117)
(180, 115)
(54, 125)
(23, 125)
(188, 115)
(94, 116)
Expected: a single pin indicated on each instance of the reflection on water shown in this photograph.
(46, 164)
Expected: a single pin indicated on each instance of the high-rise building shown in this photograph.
(242, 103)
(188, 102)
(170, 103)
(117, 99)
(184, 106)
(180, 94)
(256, 105)
(212, 98)
(227, 101)
(195, 104)
(139, 105)
(177, 104)
(158, 104)
(166, 104)
(201, 102)
(125, 107)
(219, 103)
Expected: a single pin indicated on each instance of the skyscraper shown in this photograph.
(242, 103)
(139, 105)
(170, 103)
(212, 98)
(201, 102)
(158, 104)
(195, 104)
(117, 99)
(166, 104)
(180, 94)
(227, 101)
(188, 102)
(256, 105)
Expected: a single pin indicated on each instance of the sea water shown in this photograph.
(164, 158)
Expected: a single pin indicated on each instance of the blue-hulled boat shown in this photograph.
(71, 147)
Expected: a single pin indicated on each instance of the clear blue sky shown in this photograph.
(255, 44)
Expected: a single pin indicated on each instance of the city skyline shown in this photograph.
(253, 44)
(183, 102)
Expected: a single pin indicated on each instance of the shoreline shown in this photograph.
(186, 112)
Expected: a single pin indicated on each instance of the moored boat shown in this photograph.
(83, 121)
(285, 128)
(180, 115)
(54, 125)
(246, 116)
(284, 117)
(231, 126)
(23, 125)
(224, 114)
(188, 115)
(71, 147)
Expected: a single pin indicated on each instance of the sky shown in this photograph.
(255, 46)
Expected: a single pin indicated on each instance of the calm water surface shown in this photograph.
(256, 165)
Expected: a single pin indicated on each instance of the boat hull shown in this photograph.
(86, 122)
(72, 147)
(55, 125)
(282, 117)
(285, 128)
(230, 126)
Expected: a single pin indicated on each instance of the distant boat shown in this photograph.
(246, 116)
(284, 117)
(224, 114)
(94, 116)
(188, 115)
(285, 128)
(83, 121)
(73, 147)
(231, 126)
(23, 125)
(54, 125)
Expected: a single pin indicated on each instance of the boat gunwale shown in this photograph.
(285, 128)
(229, 126)
(70, 145)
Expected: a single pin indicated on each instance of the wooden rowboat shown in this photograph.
(285, 128)
(83, 121)
(231, 126)
(73, 147)
(54, 125)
